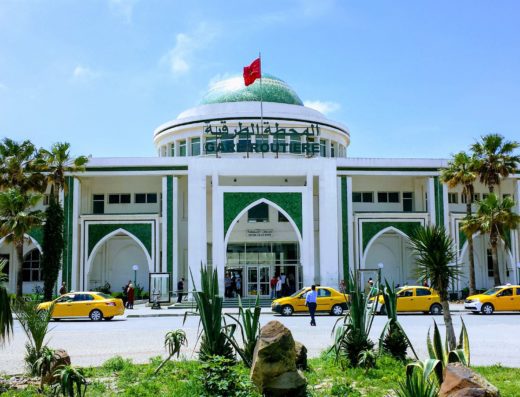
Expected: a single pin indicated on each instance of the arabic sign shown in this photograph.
(224, 138)
(259, 232)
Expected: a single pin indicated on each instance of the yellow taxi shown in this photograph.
(502, 298)
(329, 300)
(95, 305)
(414, 299)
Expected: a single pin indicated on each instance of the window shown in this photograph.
(407, 293)
(387, 197)
(98, 203)
(506, 292)
(163, 151)
(490, 264)
(332, 150)
(363, 197)
(422, 292)
(453, 198)
(119, 198)
(323, 148)
(407, 201)
(259, 213)
(195, 146)
(5, 258)
(145, 198)
(485, 196)
(172, 149)
(518, 291)
(31, 266)
(83, 297)
(476, 197)
(46, 199)
(182, 148)
(282, 217)
(323, 293)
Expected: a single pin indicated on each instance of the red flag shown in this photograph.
(252, 72)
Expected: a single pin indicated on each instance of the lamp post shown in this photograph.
(135, 268)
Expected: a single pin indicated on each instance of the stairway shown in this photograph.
(228, 303)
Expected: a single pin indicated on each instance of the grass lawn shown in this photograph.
(326, 378)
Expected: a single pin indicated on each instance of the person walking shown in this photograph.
(342, 287)
(272, 283)
(63, 288)
(311, 303)
(238, 285)
(227, 286)
(278, 287)
(125, 293)
(130, 293)
(180, 290)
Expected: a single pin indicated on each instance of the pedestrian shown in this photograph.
(342, 287)
(279, 287)
(227, 286)
(283, 279)
(425, 283)
(272, 283)
(63, 288)
(180, 290)
(125, 293)
(238, 285)
(311, 303)
(130, 293)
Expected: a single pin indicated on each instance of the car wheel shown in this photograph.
(487, 308)
(287, 310)
(436, 309)
(109, 318)
(382, 310)
(337, 310)
(96, 315)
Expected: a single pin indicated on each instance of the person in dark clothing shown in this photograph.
(130, 292)
(180, 289)
(63, 289)
(311, 303)
(125, 293)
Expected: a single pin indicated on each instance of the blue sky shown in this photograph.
(409, 78)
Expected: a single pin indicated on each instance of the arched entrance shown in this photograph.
(262, 241)
(391, 248)
(484, 265)
(112, 261)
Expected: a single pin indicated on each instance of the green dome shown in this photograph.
(272, 89)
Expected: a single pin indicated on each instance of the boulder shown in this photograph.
(274, 370)
(301, 356)
(61, 358)
(461, 381)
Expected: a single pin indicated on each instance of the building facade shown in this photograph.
(257, 188)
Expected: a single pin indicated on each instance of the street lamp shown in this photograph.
(135, 268)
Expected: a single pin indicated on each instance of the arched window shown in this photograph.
(31, 266)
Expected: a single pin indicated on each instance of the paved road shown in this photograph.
(494, 339)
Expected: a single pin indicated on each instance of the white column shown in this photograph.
(350, 227)
(196, 227)
(339, 209)
(175, 225)
(218, 243)
(307, 248)
(75, 250)
(446, 208)
(431, 200)
(164, 223)
(329, 263)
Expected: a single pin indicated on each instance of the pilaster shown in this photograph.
(307, 249)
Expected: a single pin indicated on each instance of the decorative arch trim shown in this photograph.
(140, 231)
(235, 203)
(375, 229)
(28, 236)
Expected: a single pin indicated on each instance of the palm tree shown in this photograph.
(16, 219)
(435, 254)
(461, 171)
(497, 218)
(58, 162)
(21, 167)
(6, 316)
(495, 159)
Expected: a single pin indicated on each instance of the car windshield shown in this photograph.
(103, 295)
(492, 291)
(298, 293)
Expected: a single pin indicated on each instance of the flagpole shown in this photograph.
(261, 100)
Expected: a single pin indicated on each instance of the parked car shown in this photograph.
(502, 298)
(329, 300)
(95, 305)
(414, 299)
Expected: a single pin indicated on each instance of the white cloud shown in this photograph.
(324, 107)
(83, 73)
(187, 45)
(123, 9)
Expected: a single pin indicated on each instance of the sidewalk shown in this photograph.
(141, 311)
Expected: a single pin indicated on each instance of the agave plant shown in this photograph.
(393, 339)
(352, 331)
(416, 385)
(173, 341)
(214, 341)
(72, 382)
(43, 365)
(367, 359)
(35, 323)
(248, 322)
(6, 315)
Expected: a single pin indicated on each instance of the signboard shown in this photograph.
(159, 287)
(224, 138)
(259, 232)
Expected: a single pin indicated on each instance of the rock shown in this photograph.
(274, 370)
(61, 358)
(301, 356)
(461, 381)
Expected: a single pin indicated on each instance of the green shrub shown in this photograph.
(71, 382)
(342, 390)
(117, 295)
(395, 343)
(116, 364)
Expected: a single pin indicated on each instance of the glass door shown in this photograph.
(263, 282)
(258, 278)
(252, 280)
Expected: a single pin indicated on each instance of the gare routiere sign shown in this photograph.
(224, 138)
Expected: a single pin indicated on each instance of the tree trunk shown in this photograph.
(493, 238)
(471, 254)
(450, 332)
(19, 277)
